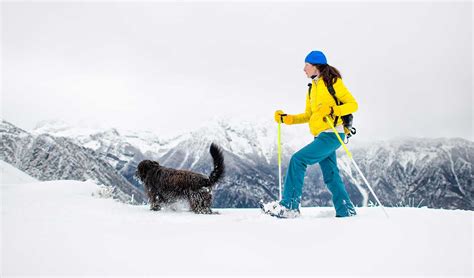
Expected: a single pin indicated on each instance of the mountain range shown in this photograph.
(436, 173)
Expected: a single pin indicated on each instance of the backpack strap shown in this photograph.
(350, 129)
(333, 94)
(310, 85)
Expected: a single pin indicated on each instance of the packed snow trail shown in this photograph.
(59, 228)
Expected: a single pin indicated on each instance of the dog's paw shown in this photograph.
(205, 212)
(212, 212)
(155, 207)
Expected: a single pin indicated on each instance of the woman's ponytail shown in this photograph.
(329, 73)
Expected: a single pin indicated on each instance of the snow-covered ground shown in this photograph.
(60, 228)
(11, 175)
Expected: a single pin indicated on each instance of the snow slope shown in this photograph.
(11, 175)
(60, 228)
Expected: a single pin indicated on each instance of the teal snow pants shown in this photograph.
(323, 151)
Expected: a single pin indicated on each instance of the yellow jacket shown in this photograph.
(320, 95)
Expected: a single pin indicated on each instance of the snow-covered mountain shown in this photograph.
(57, 228)
(249, 149)
(48, 157)
(404, 172)
(430, 172)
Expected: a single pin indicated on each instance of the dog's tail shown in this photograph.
(219, 167)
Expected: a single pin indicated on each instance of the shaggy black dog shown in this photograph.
(165, 185)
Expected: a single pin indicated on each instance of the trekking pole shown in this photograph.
(355, 164)
(279, 156)
(279, 161)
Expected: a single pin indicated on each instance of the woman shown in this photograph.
(319, 104)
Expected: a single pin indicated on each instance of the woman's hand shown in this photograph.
(324, 110)
(280, 117)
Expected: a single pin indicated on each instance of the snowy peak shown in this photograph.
(8, 128)
(62, 129)
(47, 157)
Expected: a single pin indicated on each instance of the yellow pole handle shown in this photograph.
(328, 120)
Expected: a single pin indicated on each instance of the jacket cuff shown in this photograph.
(288, 119)
(337, 110)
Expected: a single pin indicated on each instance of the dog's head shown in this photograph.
(145, 166)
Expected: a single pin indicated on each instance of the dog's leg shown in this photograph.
(155, 206)
(200, 202)
(154, 200)
(206, 202)
(193, 203)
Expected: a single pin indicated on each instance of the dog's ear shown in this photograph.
(144, 166)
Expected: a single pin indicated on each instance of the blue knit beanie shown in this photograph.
(316, 57)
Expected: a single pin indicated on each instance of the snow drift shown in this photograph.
(63, 228)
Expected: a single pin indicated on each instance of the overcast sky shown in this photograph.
(166, 67)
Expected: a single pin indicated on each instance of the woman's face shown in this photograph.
(310, 70)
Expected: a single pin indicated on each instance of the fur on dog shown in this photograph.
(166, 185)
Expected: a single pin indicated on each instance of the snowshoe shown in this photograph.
(275, 209)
